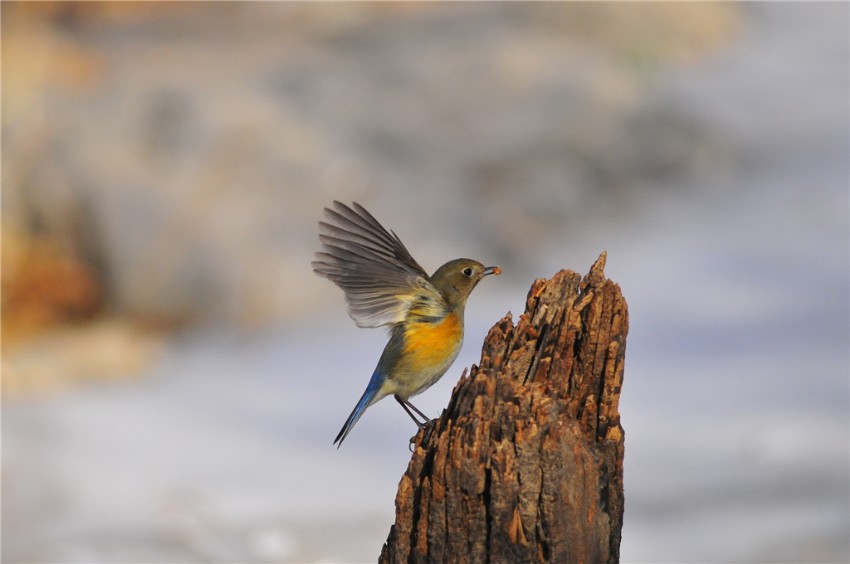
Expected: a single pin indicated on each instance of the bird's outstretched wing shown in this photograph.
(380, 279)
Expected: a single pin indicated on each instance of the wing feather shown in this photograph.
(380, 278)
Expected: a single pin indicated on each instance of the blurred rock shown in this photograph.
(106, 350)
(43, 286)
(185, 153)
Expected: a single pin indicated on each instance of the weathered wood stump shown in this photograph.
(526, 462)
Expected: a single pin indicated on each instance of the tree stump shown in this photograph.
(526, 462)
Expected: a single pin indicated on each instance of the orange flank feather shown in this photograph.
(431, 344)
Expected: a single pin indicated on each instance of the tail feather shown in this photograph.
(369, 397)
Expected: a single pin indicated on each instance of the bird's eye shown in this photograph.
(467, 272)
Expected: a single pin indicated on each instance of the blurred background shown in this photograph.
(173, 373)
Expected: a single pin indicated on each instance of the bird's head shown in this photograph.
(457, 278)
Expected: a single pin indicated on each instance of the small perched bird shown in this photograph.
(384, 285)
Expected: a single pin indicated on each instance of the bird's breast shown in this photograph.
(429, 349)
(433, 339)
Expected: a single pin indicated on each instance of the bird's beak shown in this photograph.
(492, 270)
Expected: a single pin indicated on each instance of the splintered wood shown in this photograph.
(526, 462)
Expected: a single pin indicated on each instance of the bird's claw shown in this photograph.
(427, 429)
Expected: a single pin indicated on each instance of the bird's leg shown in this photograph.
(407, 407)
(424, 417)
(426, 423)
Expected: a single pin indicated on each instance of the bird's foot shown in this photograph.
(427, 429)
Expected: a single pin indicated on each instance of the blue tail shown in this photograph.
(367, 399)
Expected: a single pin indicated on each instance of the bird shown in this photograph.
(385, 286)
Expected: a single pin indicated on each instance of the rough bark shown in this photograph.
(526, 462)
